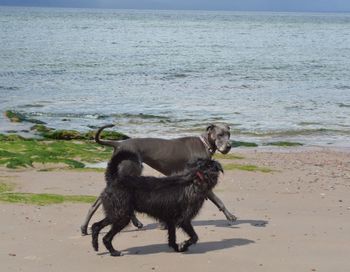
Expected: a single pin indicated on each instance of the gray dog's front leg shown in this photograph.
(91, 212)
(218, 203)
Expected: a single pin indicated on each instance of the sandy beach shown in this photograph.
(295, 218)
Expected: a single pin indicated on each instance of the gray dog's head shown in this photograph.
(219, 136)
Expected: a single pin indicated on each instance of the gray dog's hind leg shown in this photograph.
(92, 210)
(218, 203)
(136, 222)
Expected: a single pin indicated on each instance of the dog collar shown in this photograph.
(200, 175)
(207, 146)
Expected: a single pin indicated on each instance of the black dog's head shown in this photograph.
(205, 172)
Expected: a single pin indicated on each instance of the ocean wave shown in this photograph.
(343, 105)
(31, 106)
(9, 88)
(140, 116)
(343, 87)
(292, 133)
(66, 115)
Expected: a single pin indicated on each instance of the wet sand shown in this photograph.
(296, 218)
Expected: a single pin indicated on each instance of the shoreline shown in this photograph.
(150, 125)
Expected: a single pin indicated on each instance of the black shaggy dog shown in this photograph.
(173, 200)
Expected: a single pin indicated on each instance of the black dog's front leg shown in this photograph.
(218, 203)
(188, 228)
(172, 237)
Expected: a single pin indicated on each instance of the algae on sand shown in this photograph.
(24, 152)
(246, 167)
(7, 195)
(284, 144)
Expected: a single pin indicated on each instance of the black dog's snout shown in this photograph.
(219, 167)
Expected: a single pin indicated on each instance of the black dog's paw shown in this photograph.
(175, 247)
(183, 247)
(116, 253)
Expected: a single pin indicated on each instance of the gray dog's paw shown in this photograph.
(230, 217)
(116, 253)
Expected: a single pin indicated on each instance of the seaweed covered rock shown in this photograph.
(62, 134)
(41, 128)
(17, 117)
(243, 144)
(11, 138)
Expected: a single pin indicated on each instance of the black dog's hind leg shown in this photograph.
(136, 222)
(188, 228)
(91, 212)
(218, 203)
(107, 239)
(96, 228)
(172, 237)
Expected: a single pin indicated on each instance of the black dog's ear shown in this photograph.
(211, 126)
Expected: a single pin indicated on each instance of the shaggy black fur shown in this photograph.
(173, 200)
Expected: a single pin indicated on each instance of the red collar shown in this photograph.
(200, 175)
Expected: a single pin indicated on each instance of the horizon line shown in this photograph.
(177, 9)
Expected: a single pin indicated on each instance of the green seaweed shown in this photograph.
(24, 153)
(11, 137)
(17, 117)
(246, 167)
(284, 144)
(6, 187)
(44, 199)
(7, 195)
(41, 128)
(229, 156)
(63, 134)
(243, 144)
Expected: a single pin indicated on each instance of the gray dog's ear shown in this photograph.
(211, 126)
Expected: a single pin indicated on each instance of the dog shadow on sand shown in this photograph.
(201, 247)
(221, 223)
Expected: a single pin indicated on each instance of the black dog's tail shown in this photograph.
(113, 144)
(123, 156)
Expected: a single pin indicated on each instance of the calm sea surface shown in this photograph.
(271, 76)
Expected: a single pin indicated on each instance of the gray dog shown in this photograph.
(171, 156)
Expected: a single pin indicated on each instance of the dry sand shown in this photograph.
(296, 218)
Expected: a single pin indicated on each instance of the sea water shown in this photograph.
(270, 76)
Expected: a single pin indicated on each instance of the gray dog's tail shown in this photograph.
(113, 144)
